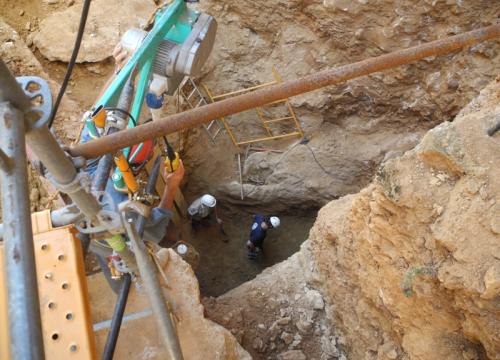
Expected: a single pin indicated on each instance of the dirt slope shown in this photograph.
(279, 314)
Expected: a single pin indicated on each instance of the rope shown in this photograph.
(156, 260)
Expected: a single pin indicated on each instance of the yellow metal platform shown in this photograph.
(62, 288)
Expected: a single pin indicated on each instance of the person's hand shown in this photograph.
(219, 221)
(120, 55)
(173, 180)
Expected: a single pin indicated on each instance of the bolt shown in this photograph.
(49, 276)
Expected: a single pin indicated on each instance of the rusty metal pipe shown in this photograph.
(260, 97)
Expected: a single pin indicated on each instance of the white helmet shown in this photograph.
(182, 249)
(208, 200)
(275, 221)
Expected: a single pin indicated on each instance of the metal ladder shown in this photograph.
(194, 98)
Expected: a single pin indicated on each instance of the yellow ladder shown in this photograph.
(192, 95)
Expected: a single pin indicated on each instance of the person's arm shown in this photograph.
(219, 220)
(120, 55)
(172, 182)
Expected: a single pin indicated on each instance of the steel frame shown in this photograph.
(25, 332)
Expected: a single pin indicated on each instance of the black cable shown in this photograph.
(72, 61)
(304, 141)
(125, 112)
(317, 162)
(116, 321)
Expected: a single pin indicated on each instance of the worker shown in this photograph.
(121, 56)
(258, 233)
(201, 209)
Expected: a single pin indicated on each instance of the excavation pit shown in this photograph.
(223, 262)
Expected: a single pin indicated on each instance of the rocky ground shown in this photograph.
(279, 315)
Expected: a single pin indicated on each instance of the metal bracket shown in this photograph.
(42, 93)
(109, 220)
(81, 181)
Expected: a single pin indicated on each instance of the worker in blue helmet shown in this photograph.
(258, 233)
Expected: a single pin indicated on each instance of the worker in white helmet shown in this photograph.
(258, 233)
(200, 209)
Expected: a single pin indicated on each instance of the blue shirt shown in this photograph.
(257, 233)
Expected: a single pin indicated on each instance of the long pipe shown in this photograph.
(43, 143)
(25, 331)
(260, 97)
(153, 289)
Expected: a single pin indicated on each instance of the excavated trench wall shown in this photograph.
(352, 127)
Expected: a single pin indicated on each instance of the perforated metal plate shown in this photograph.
(62, 287)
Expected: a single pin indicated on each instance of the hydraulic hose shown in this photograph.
(72, 61)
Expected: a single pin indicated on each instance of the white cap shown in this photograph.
(182, 249)
(275, 221)
(208, 200)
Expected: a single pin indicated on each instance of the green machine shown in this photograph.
(177, 45)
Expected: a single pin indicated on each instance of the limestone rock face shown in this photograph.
(413, 259)
(106, 23)
(352, 127)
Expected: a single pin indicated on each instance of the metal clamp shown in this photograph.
(81, 181)
(109, 220)
(36, 88)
